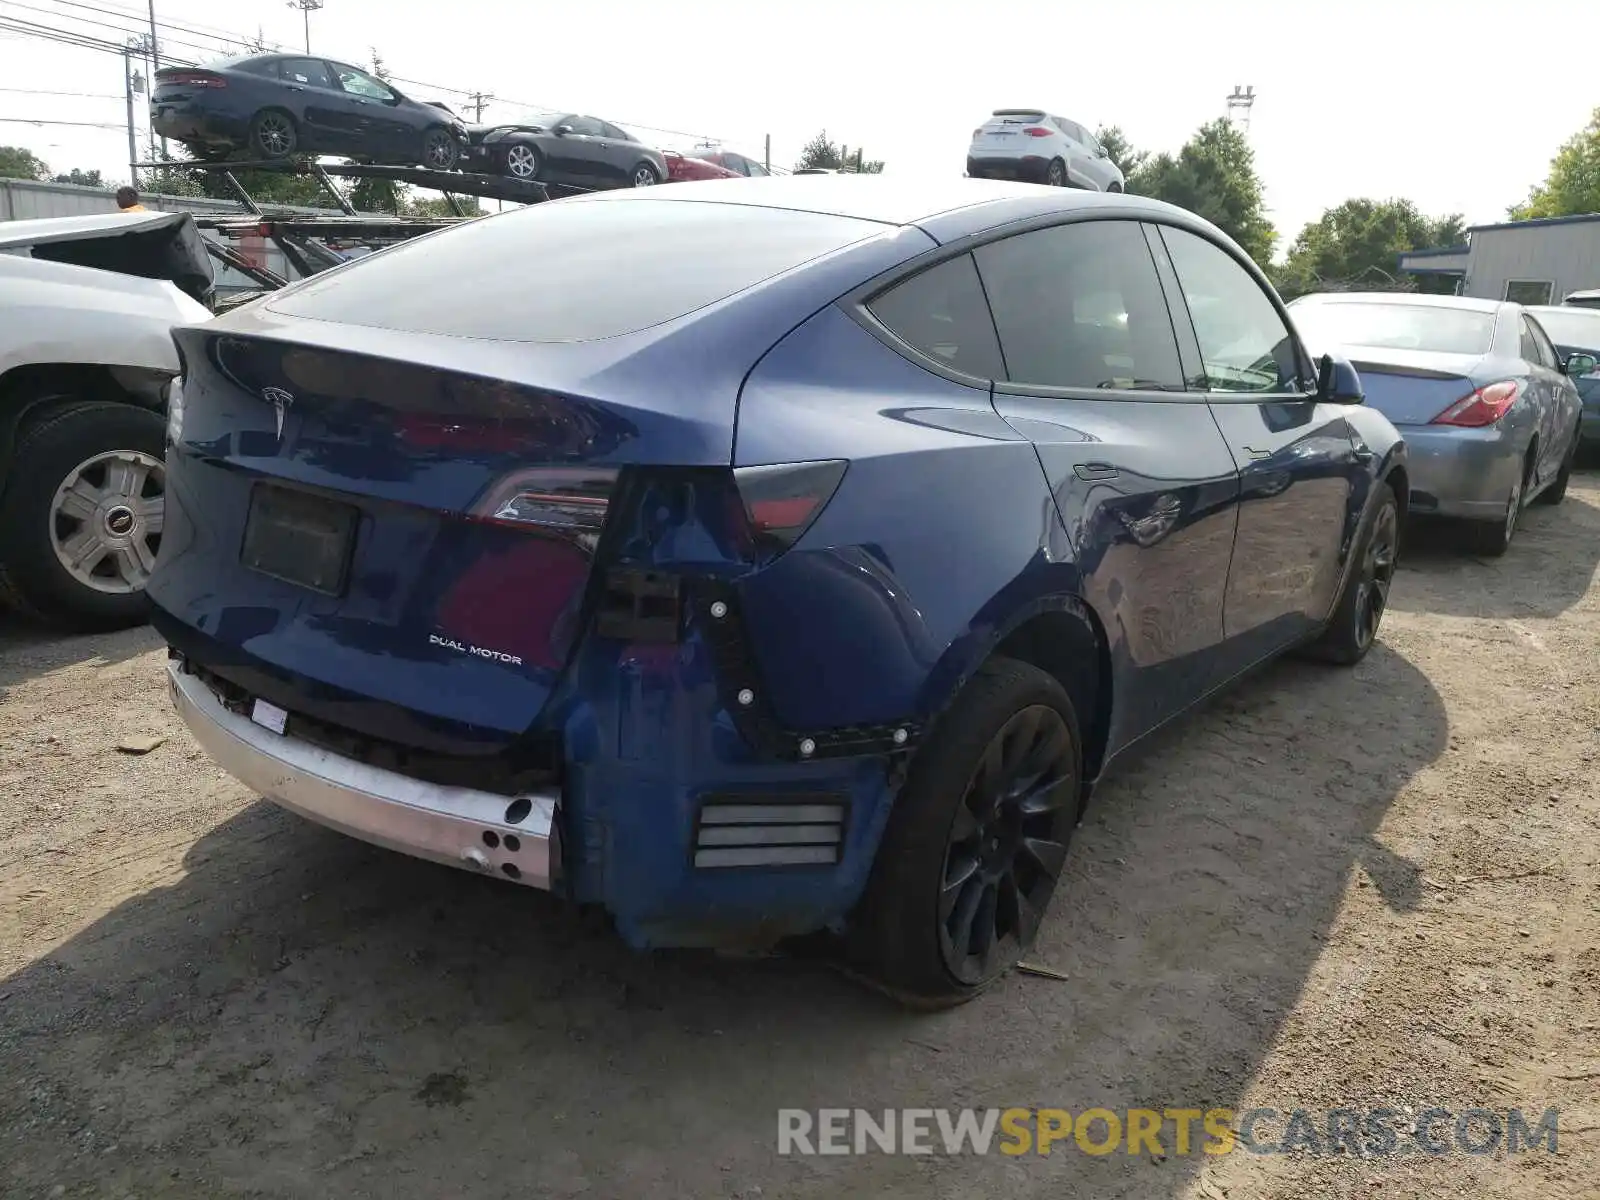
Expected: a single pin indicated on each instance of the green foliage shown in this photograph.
(441, 207)
(379, 195)
(81, 178)
(19, 163)
(820, 152)
(1213, 176)
(1573, 186)
(1358, 242)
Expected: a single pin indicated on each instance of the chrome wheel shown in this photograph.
(106, 519)
(522, 162)
(644, 175)
(1377, 573)
(1007, 844)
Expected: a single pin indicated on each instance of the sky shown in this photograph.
(1458, 106)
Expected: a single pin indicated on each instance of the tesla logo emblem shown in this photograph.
(280, 401)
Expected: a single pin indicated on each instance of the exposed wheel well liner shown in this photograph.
(1067, 643)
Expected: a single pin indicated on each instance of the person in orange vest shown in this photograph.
(128, 200)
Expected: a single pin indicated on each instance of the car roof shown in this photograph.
(895, 199)
(1422, 299)
(42, 230)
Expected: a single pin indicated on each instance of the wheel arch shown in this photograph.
(28, 393)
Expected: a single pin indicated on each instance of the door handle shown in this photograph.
(1257, 454)
(1095, 470)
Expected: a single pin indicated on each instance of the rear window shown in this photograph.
(1575, 328)
(572, 271)
(1396, 327)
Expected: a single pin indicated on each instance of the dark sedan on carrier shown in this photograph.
(279, 105)
(805, 586)
(566, 148)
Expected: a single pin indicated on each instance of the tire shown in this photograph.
(115, 511)
(1557, 491)
(1004, 853)
(1492, 539)
(644, 175)
(273, 134)
(1115, 189)
(522, 161)
(1055, 175)
(440, 150)
(1353, 628)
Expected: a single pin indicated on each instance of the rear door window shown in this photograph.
(941, 312)
(474, 281)
(1547, 353)
(1081, 306)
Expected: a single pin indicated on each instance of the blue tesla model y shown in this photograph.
(759, 558)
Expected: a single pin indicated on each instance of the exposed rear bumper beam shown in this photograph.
(456, 826)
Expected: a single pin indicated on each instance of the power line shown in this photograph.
(79, 124)
(43, 92)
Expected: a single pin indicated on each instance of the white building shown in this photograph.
(1533, 262)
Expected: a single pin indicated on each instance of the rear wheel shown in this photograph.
(440, 150)
(1114, 187)
(273, 134)
(522, 162)
(976, 841)
(1056, 173)
(1493, 538)
(645, 175)
(82, 517)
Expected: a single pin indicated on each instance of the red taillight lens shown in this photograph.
(201, 79)
(977, 131)
(1036, 131)
(1483, 407)
(569, 502)
(781, 502)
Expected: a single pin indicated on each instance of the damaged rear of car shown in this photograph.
(460, 565)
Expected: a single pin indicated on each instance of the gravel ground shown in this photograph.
(1330, 888)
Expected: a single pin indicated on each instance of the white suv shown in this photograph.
(1028, 143)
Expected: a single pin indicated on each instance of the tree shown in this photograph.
(1214, 176)
(820, 152)
(379, 195)
(1121, 151)
(1358, 242)
(1573, 186)
(441, 208)
(81, 178)
(19, 163)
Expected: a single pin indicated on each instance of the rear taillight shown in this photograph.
(781, 502)
(568, 502)
(1483, 407)
(199, 79)
(1036, 131)
(977, 131)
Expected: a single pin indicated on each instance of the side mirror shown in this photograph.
(563, 130)
(1338, 382)
(1579, 365)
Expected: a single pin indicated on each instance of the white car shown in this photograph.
(87, 306)
(1029, 143)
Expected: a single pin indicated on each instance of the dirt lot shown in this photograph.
(1378, 888)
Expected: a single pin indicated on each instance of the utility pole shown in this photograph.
(133, 143)
(766, 156)
(1239, 105)
(155, 60)
(307, 7)
(477, 103)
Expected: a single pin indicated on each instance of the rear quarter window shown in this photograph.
(942, 313)
(573, 271)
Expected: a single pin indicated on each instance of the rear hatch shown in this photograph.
(1006, 132)
(390, 481)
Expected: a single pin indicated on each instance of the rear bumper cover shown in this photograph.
(456, 826)
(1465, 473)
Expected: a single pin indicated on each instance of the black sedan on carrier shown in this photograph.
(566, 148)
(279, 105)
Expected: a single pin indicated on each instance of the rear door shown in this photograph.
(324, 110)
(1145, 488)
(586, 154)
(1301, 482)
(1556, 395)
(1076, 152)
